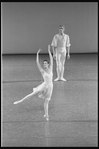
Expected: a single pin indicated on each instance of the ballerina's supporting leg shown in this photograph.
(46, 109)
(29, 95)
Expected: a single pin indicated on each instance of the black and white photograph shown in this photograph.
(49, 74)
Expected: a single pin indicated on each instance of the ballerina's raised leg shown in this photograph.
(29, 95)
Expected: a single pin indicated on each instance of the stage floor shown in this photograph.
(73, 109)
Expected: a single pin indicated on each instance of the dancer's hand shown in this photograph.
(68, 56)
(49, 47)
(39, 50)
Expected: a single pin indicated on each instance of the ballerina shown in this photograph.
(45, 89)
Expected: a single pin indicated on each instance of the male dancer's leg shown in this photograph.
(63, 57)
(58, 66)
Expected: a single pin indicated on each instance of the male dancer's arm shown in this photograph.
(68, 47)
(51, 58)
(54, 44)
(54, 51)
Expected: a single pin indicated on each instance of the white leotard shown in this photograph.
(48, 77)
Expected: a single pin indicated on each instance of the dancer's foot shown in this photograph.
(62, 79)
(57, 79)
(47, 117)
(16, 102)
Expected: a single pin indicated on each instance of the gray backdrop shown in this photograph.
(26, 27)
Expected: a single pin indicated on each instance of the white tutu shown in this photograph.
(44, 90)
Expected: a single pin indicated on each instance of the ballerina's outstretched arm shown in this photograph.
(51, 58)
(38, 63)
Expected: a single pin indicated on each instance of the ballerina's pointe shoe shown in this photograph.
(16, 102)
(47, 117)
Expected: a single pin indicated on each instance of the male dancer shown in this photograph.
(60, 44)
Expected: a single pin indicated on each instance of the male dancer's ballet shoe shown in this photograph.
(62, 79)
(57, 79)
